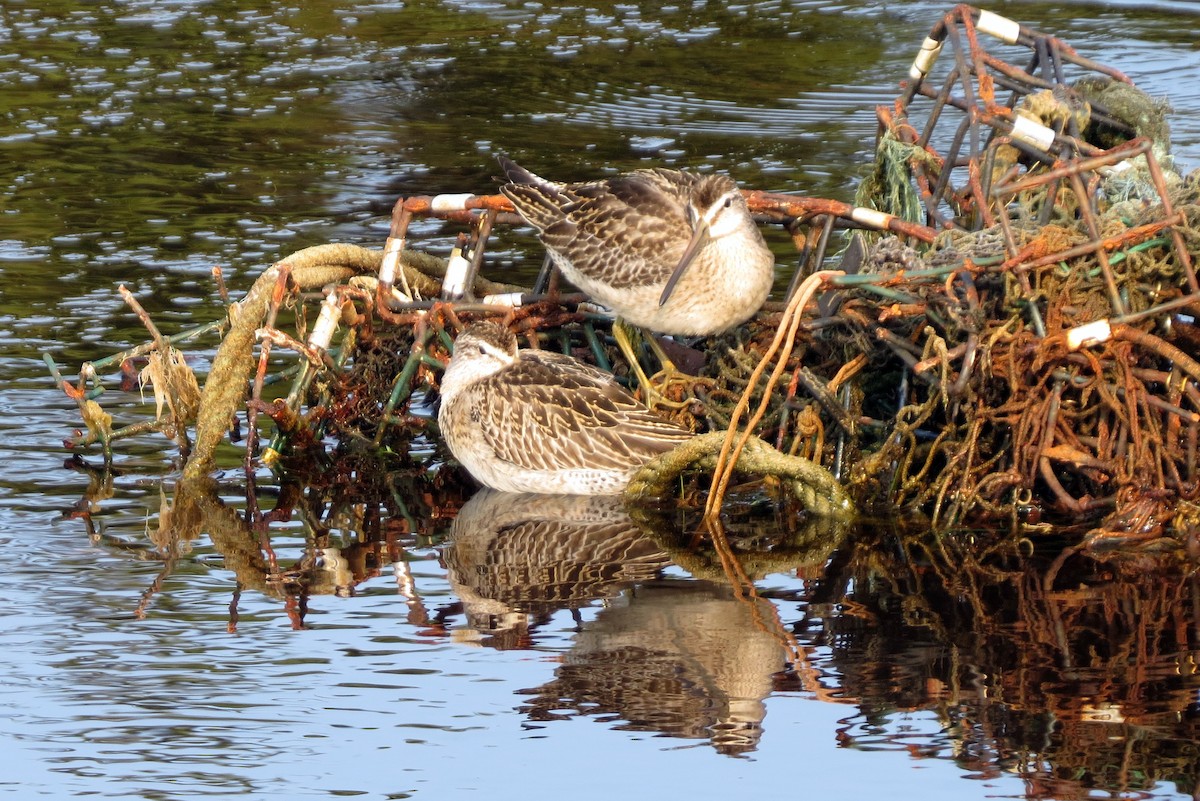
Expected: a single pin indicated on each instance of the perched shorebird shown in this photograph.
(675, 252)
(670, 251)
(535, 421)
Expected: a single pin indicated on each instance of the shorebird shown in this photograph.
(670, 251)
(542, 422)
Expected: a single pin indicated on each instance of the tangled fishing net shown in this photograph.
(1005, 337)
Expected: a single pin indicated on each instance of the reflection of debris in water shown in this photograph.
(378, 530)
(1081, 671)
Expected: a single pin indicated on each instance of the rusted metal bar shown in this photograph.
(482, 231)
(1022, 262)
(795, 206)
(1105, 158)
(1089, 219)
(760, 202)
(402, 386)
(1160, 347)
(391, 267)
(973, 20)
(1181, 250)
(812, 256)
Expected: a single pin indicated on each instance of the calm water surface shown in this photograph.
(144, 142)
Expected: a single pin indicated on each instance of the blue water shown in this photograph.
(142, 143)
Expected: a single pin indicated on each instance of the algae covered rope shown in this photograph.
(812, 485)
(225, 387)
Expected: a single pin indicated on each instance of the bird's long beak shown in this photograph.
(699, 240)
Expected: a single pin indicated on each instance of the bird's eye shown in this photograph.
(728, 202)
(482, 350)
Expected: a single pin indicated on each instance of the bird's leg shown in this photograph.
(546, 280)
(626, 337)
(669, 374)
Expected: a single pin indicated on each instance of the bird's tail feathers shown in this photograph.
(517, 174)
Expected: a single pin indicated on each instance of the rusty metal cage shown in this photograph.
(1052, 133)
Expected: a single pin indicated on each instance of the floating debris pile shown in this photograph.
(1045, 341)
(1007, 337)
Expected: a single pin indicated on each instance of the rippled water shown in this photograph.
(143, 142)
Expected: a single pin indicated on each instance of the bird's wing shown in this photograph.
(545, 415)
(629, 230)
(569, 369)
(541, 206)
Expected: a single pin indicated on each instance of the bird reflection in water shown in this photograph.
(514, 559)
(678, 657)
(681, 658)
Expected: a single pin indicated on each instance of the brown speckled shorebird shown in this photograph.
(670, 251)
(535, 421)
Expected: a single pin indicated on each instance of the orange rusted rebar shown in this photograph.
(1105, 158)
(789, 207)
(799, 207)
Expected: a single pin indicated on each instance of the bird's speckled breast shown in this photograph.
(726, 284)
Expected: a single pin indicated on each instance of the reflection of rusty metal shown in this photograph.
(353, 531)
(1080, 672)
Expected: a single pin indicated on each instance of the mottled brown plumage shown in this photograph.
(535, 421)
(675, 252)
(513, 555)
